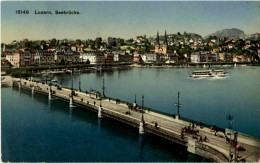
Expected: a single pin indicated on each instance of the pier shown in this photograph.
(216, 147)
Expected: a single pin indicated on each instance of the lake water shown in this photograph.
(208, 100)
(35, 129)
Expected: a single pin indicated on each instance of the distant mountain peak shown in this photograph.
(229, 33)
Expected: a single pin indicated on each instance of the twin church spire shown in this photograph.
(164, 49)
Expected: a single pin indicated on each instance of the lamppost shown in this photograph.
(103, 87)
(142, 108)
(178, 104)
(79, 85)
(230, 121)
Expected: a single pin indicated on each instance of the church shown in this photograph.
(158, 48)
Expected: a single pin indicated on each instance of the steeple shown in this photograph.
(157, 39)
(165, 39)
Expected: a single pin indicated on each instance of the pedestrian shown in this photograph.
(205, 139)
(94, 103)
(200, 140)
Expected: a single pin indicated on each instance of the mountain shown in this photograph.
(229, 33)
(253, 36)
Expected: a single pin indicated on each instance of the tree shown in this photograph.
(78, 42)
(25, 43)
(88, 62)
(53, 42)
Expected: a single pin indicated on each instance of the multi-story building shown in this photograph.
(94, 57)
(195, 57)
(9, 57)
(108, 57)
(5, 65)
(66, 58)
(150, 57)
(23, 58)
(44, 57)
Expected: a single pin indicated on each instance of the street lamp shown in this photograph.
(79, 84)
(142, 108)
(178, 104)
(230, 121)
(103, 87)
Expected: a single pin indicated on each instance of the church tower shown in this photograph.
(165, 44)
(157, 44)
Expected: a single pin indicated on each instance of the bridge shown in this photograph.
(211, 143)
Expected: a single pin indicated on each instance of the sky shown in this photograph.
(125, 19)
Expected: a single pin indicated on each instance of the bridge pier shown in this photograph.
(141, 128)
(191, 145)
(71, 102)
(33, 90)
(100, 112)
(50, 93)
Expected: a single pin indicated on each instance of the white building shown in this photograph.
(195, 58)
(93, 57)
(150, 58)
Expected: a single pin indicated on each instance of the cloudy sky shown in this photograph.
(125, 19)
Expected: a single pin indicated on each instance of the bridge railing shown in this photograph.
(212, 150)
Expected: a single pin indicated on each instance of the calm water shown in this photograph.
(34, 129)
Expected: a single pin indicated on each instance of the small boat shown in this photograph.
(54, 80)
(202, 73)
(220, 73)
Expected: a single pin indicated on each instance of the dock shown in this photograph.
(215, 147)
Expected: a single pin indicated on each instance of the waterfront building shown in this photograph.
(66, 58)
(23, 58)
(94, 57)
(228, 57)
(44, 57)
(136, 56)
(195, 57)
(239, 58)
(108, 57)
(172, 58)
(16, 59)
(123, 57)
(5, 65)
(9, 57)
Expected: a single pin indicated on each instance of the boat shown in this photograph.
(54, 80)
(202, 73)
(220, 73)
(209, 73)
